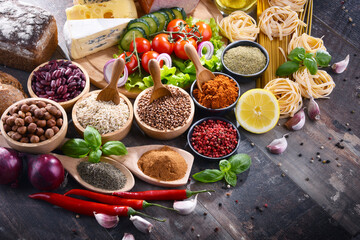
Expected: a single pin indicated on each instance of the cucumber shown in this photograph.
(163, 20)
(129, 35)
(152, 21)
(170, 13)
(141, 23)
(179, 12)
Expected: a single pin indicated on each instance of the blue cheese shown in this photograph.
(88, 36)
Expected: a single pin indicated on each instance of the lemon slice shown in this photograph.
(257, 111)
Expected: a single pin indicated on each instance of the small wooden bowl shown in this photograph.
(41, 147)
(113, 136)
(68, 104)
(163, 134)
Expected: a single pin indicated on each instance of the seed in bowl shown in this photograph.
(106, 117)
(244, 60)
(214, 138)
(58, 80)
(32, 121)
(217, 93)
(165, 113)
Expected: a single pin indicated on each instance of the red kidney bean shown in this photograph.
(53, 84)
(68, 71)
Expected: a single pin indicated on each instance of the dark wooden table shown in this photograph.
(305, 200)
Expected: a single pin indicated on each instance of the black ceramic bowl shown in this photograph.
(210, 111)
(190, 133)
(242, 77)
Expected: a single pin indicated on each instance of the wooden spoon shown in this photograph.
(110, 93)
(159, 89)
(202, 74)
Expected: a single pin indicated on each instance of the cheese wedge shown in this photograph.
(110, 9)
(87, 36)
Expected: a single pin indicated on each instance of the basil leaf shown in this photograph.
(309, 55)
(230, 178)
(95, 155)
(224, 165)
(114, 148)
(92, 137)
(287, 68)
(310, 63)
(322, 58)
(240, 163)
(76, 148)
(297, 54)
(209, 175)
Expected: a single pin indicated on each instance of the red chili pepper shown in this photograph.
(160, 194)
(85, 207)
(103, 198)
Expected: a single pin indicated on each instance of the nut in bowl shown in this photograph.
(167, 117)
(213, 138)
(245, 60)
(112, 121)
(34, 125)
(218, 96)
(60, 80)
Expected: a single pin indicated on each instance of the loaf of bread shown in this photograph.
(28, 35)
(11, 91)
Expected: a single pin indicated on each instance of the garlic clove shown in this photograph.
(185, 207)
(297, 121)
(128, 236)
(313, 110)
(106, 221)
(141, 224)
(341, 66)
(278, 146)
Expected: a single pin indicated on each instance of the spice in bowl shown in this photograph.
(163, 164)
(106, 117)
(214, 138)
(217, 93)
(165, 113)
(245, 60)
(58, 80)
(32, 121)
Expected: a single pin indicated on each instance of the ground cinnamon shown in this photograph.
(217, 93)
(163, 164)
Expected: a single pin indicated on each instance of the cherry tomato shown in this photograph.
(131, 63)
(161, 44)
(146, 57)
(142, 45)
(205, 31)
(179, 47)
(174, 26)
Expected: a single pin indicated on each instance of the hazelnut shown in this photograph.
(25, 108)
(15, 115)
(28, 120)
(19, 122)
(32, 127)
(49, 133)
(41, 123)
(21, 114)
(10, 133)
(22, 130)
(59, 122)
(39, 131)
(11, 121)
(58, 114)
(24, 140)
(16, 136)
(7, 128)
(33, 107)
(34, 139)
(47, 116)
(42, 138)
(13, 110)
(41, 104)
(50, 123)
(5, 118)
(14, 128)
(53, 110)
(39, 113)
(28, 114)
(56, 129)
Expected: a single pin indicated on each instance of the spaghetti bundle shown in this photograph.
(279, 22)
(295, 5)
(288, 94)
(317, 86)
(239, 26)
(309, 43)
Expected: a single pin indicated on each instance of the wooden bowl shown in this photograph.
(113, 136)
(163, 134)
(41, 147)
(68, 104)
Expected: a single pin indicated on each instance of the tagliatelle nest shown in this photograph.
(309, 43)
(295, 5)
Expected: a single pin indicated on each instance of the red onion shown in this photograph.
(108, 67)
(209, 49)
(45, 172)
(166, 58)
(10, 165)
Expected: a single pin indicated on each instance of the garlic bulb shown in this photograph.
(185, 207)
(106, 221)
(141, 224)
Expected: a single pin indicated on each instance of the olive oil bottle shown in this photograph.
(228, 6)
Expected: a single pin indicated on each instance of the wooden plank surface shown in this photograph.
(327, 206)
